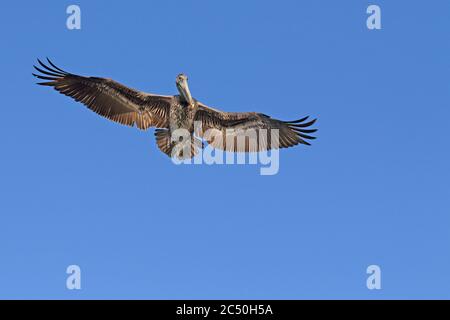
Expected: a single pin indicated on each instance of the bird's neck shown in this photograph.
(186, 100)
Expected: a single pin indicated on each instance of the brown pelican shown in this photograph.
(127, 106)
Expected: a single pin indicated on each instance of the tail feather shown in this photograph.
(176, 149)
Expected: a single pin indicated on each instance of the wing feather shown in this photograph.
(108, 98)
(250, 131)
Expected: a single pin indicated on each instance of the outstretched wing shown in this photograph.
(250, 131)
(108, 98)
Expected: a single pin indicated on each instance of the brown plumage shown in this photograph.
(230, 131)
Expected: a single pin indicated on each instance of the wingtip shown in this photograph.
(306, 143)
(303, 124)
(297, 121)
(57, 68)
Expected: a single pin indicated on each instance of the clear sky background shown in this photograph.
(373, 189)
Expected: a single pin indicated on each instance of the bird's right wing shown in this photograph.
(109, 98)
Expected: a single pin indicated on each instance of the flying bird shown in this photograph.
(134, 108)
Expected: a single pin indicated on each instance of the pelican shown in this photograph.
(167, 114)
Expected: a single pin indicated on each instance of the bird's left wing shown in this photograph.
(250, 131)
(108, 98)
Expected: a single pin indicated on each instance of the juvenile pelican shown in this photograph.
(127, 106)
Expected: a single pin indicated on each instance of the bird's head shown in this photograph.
(183, 88)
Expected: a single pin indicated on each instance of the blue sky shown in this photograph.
(373, 188)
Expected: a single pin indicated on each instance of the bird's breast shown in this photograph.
(181, 117)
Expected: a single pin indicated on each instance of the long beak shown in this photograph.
(183, 88)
